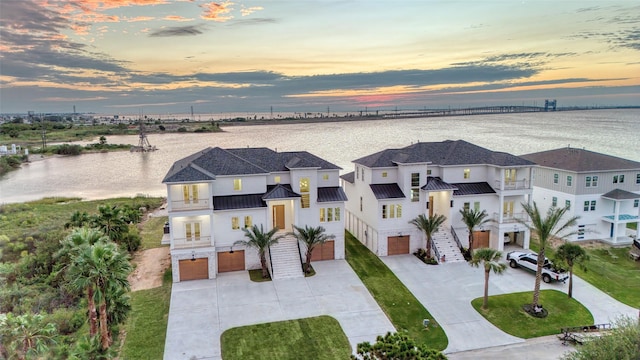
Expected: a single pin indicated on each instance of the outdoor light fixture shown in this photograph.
(193, 256)
(231, 251)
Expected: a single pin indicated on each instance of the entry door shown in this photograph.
(430, 206)
(278, 216)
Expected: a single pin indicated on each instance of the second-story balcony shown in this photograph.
(510, 217)
(193, 242)
(511, 185)
(191, 204)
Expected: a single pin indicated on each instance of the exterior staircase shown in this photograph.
(285, 259)
(446, 245)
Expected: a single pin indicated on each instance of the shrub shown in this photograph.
(182, 129)
(67, 321)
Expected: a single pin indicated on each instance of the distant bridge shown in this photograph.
(464, 111)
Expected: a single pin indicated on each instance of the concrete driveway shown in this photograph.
(447, 290)
(202, 310)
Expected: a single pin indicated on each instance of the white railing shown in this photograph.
(182, 205)
(511, 217)
(511, 185)
(182, 243)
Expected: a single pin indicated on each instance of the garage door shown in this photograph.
(323, 252)
(194, 269)
(231, 261)
(397, 245)
(481, 239)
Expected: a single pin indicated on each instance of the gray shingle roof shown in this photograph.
(331, 194)
(436, 184)
(619, 194)
(349, 177)
(238, 202)
(387, 191)
(580, 160)
(211, 162)
(280, 192)
(476, 188)
(449, 152)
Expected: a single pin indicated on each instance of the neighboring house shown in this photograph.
(603, 190)
(215, 193)
(393, 186)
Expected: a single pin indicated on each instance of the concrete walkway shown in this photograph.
(447, 290)
(202, 310)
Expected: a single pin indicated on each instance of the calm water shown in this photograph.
(96, 176)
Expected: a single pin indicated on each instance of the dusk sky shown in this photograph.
(165, 56)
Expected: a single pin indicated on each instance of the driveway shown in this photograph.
(202, 310)
(447, 290)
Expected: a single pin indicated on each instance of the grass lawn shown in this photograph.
(311, 338)
(506, 313)
(402, 308)
(152, 231)
(147, 323)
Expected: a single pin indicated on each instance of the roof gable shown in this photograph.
(580, 160)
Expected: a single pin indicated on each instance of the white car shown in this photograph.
(529, 261)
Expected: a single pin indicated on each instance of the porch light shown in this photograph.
(231, 251)
(193, 256)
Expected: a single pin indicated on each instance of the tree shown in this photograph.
(311, 237)
(428, 225)
(261, 241)
(489, 258)
(621, 343)
(571, 254)
(394, 346)
(103, 140)
(110, 220)
(544, 229)
(25, 336)
(78, 219)
(473, 218)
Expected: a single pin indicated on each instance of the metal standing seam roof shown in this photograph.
(436, 184)
(387, 191)
(280, 191)
(476, 188)
(232, 202)
(331, 194)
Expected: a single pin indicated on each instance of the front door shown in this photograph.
(430, 206)
(278, 217)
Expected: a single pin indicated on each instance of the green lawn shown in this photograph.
(311, 338)
(402, 308)
(152, 232)
(147, 323)
(506, 313)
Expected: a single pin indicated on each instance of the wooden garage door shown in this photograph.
(323, 252)
(397, 245)
(481, 239)
(231, 261)
(194, 269)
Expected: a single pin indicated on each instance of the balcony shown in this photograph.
(188, 243)
(510, 217)
(511, 185)
(193, 204)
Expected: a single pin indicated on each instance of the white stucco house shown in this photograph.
(390, 187)
(215, 193)
(603, 190)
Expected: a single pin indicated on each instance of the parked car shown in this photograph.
(529, 261)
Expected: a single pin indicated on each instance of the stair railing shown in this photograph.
(300, 256)
(435, 250)
(270, 262)
(455, 237)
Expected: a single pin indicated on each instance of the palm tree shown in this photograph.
(473, 218)
(571, 254)
(311, 237)
(78, 219)
(545, 228)
(428, 225)
(27, 336)
(489, 259)
(111, 221)
(261, 241)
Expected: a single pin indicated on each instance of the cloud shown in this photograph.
(190, 30)
(176, 18)
(250, 10)
(217, 11)
(140, 18)
(253, 21)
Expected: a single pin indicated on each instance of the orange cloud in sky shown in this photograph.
(217, 11)
(140, 18)
(176, 18)
(248, 11)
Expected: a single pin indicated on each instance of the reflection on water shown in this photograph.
(102, 175)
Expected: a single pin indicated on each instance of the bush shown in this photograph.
(66, 149)
(67, 321)
(182, 129)
(422, 255)
(131, 241)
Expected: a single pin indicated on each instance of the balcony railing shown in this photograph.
(511, 185)
(194, 204)
(182, 243)
(511, 217)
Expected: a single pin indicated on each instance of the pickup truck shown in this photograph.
(529, 261)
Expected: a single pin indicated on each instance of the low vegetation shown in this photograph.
(395, 346)
(622, 342)
(506, 313)
(151, 233)
(311, 338)
(402, 308)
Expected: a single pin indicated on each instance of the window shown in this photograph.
(589, 206)
(357, 173)
(322, 215)
(336, 214)
(398, 211)
(428, 172)
(638, 178)
(593, 205)
(594, 181)
(509, 176)
(305, 200)
(392, 211)
(360, 203)
(329, 214)
(276, 179)
(554, 201)
(248, 222)
(190, 194)
(384, 211)
(588, 181)
(636, 202)
(325, 177)
(586, 206)
(567, 204)
(384, 174)
(235, 223)
(192, 231)
(556, 177)
(569, 180)
(237, 184)
(467, 173)
(362, 173)
(415, 187)
(476, 206)
(508, 208)
(618, 179)
(466, 206)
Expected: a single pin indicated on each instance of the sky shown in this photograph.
(168, 56)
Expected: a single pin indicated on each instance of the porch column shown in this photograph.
(616, 214)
